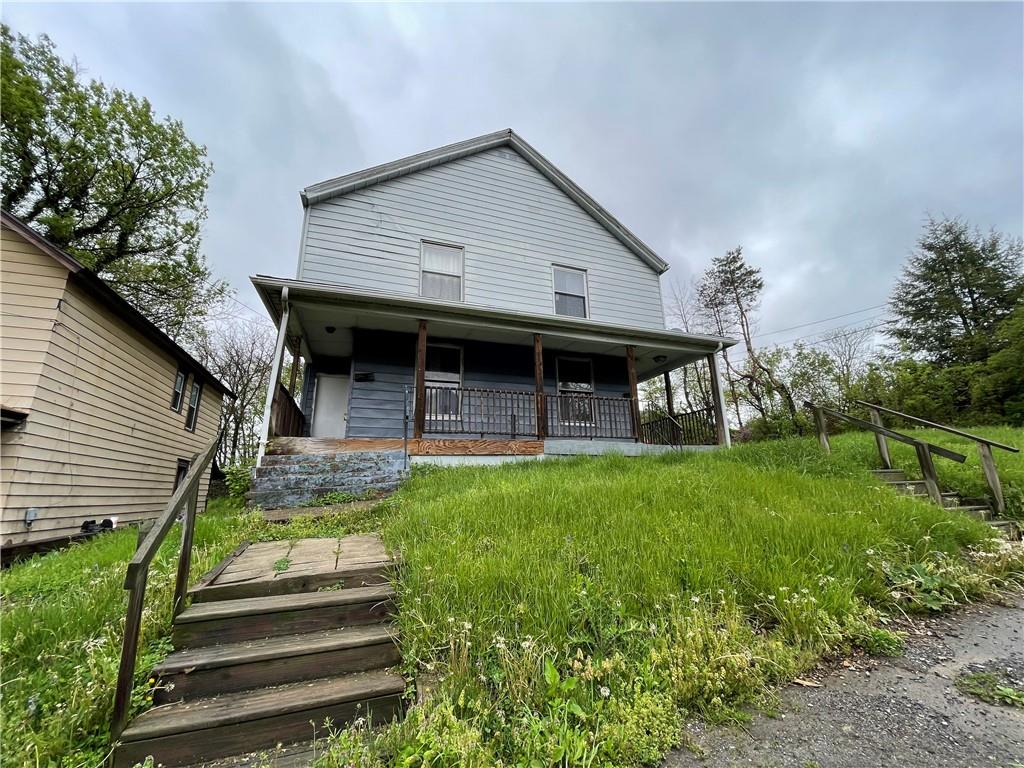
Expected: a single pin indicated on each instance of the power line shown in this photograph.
(822, 341)
(815, 322)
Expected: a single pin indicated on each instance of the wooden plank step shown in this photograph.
(209, 670)
(978, 511)
(890, 474)
(231, 621)
(235, 723)
(1008, 528)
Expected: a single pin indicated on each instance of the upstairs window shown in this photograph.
(442, 376)
(570, 292)
(193, 406)
(178, 393)
(575, 390)
(441, 272)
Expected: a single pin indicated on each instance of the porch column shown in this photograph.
(275, 375)
(538, 382)
(634, 398)
(718, 399)
(420, 412)
(295, 371)
(669, 400)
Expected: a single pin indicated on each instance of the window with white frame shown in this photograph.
(575, 390)
(193, 406)
(570, 291)
(443, 378)
(178, 392)
(441, 271)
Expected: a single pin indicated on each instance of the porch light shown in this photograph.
(660, 359)
(330, 328)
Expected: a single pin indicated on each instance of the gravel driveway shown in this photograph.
(902, 712)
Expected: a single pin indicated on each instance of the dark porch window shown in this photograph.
(575, 390)
(443, 378)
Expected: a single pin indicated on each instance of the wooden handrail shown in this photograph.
(985, 446)
(186, 495)
(938, 450)
(924, 450)
(934, 425)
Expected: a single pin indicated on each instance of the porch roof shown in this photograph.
(315, 306)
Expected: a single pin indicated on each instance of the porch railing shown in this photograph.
(589, 416)
(479, 411)
(286, 418)
(691, 428)
(183, 501)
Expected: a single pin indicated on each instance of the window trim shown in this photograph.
(452, 385)
(197, 388)
(175, 394)
(462, 272)
(558, 389)
(586, 290)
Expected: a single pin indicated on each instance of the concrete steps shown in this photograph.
(291, 480)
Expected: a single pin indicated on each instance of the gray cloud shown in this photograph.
(816, 135)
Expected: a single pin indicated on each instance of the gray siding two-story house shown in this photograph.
(472, 300)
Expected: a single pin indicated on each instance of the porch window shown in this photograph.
(570, 291)
(443, 378)
(441, 272)
(193, 406)
(178, 393)
(575, 390)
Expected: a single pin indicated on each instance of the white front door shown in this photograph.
(330, 406)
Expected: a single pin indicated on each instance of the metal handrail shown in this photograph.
(934, 425)
(186, 495)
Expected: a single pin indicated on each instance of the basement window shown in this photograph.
(570, 291)
(441, 271)
(178, 393)
(193, 406)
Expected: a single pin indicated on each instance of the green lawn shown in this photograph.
(564, 612)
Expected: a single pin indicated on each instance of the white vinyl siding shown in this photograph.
(512, 224)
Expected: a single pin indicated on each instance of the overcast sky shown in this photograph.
(816, 135)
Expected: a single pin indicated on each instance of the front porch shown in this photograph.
(432, 378)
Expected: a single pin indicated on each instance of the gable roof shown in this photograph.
(342, 185)
(113, 300)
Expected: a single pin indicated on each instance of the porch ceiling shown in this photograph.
(317, 306)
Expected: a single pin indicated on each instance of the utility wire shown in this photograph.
(815, 322)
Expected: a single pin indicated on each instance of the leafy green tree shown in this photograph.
(95, 171)
(997, 392)
(955, 290)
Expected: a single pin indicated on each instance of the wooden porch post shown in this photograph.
(634, 410)
(420, 411)
(669, 399)
(295, 371)
(538, 381)
(718, 398)
(275, 375)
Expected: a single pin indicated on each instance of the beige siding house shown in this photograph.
(101, 410)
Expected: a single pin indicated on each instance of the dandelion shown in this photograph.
(605, 691)
(467, 626)
(695, 599)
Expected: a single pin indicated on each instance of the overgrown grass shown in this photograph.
(562, 613)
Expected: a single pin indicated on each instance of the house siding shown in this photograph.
(377, 408)
(101, 439)
(513, 223)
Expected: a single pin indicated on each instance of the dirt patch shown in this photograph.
(905, 711)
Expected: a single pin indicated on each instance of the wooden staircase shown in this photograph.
(979, 508)
(267, 662)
